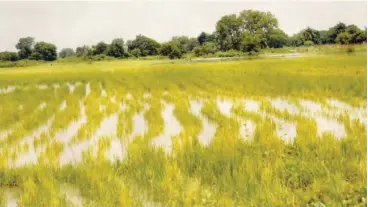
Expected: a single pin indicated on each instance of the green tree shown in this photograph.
(136, 52)
(45, 51)
(205, 49)
(277, 39)
(252, 43)
(257, 22)
(333, 32)
(83, 51)
(100, 48)
(9, 56)
(116, 48)
(66, 52)
(25, 47)
(171, 49)
(343, 38)
(228, 32)
(146, 45)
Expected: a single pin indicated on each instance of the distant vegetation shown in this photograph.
(245, 34)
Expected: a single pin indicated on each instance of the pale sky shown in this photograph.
(72, 24)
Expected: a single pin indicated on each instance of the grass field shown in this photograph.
(262, 132)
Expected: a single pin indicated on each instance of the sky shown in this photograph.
(73, 24)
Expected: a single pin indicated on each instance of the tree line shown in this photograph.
(249, 32)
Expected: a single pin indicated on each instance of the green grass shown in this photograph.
(231, 171)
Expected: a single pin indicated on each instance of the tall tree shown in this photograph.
(146, 45)
(334, 31)
(116, 48)
(66, 52)
(25, 47)
(83, 51)
(277, 39)
(228, 32)
(45, 51)
(257, 22)
(100, 48)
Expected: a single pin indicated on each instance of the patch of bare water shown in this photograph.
(31, 156)
(247, 130)
(172, 127)
(326, 125)
(129, 96)
(63, 106)
(74, 153)
(42, 105)
(284, 129)
(7, 89)
(209, 129)
(72, 195)
(251, 105)
(11, 198)
(66, 135)
(284, 105)
(71, 87)
(224, 106)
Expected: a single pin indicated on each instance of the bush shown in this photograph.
(9, 56)
(308, 43)
(206, 49)
(21, 63)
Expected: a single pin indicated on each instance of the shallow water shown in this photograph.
(224, 106)
(8, 89)
(247, 130)
(332, 126)
(172, 127)
(284, 105)
(251, 105)
(209, 129)
(72, 195)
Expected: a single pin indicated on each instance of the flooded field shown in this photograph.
(207, 134)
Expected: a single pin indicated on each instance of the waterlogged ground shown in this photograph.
(160, 138)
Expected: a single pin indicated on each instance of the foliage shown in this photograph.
(9, 56)
(66, 52)
(252, 43)
(277, 39)
(228, 32)
(116, 48)
(44, 51)
(146, 45)
(136, 52)
(205, 49)
(205, 37)
(25, 47)
(171, 49)
(100, 48)
(83, 51)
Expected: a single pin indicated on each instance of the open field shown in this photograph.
(263, 132)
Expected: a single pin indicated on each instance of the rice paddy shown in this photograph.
(267, 132)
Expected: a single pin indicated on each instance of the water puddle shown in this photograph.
(42, 106)
(172, 127)
(63, 106)
(74, 153)
(209, 129)
(11, 197)
(325, 125)
(284, 105)
(251, 105)
(247, 130)
(67, 134)
(88, 89)
(224, 106)
(31, 155)
(72, 195)
(284, 130)
(71, 87)
(7, 89)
